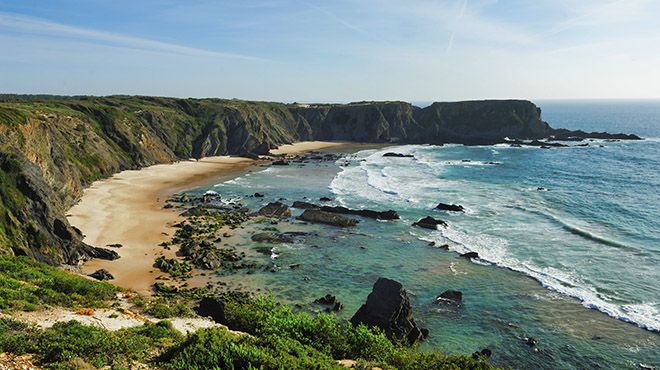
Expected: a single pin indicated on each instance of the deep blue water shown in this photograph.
(569, 239)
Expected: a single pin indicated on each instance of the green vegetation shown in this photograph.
(177, 269)
(66, 345)
(28, 285)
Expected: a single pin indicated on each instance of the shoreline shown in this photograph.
(127, 209)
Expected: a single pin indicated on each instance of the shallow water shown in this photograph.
(591, 237)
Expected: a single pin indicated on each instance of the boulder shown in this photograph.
(429, 222)
(318, 216)
(270, 237)
(388, 308)
(258, 195)
(213, 308)
(102, 274)
(398, 155)
(275, 209)
(304, 205)
(470, 255)
(450, 207)
(384, 215)
(451, 296)
(325, 199)
(328, 299)
(280, 163)
(101, 253)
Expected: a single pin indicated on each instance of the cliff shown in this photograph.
(51, 148)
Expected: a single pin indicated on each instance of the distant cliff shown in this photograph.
(51, 148)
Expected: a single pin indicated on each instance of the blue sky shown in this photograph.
(343, 50)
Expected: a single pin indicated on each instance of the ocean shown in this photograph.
(569, 239)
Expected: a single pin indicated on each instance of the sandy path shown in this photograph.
(127, 209)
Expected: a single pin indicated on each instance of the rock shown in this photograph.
(213, 308)
(294, 266)
(385, 215)
(483, 353)
(258, 195)
(398, 155)
(325, 199)
(275, 209)
(101, 253)
(280, 163)
(470, 255)
(304, 205)
(270, 237)
(116, 245)
(453, 296)
(450, 207)
(168, 206)
(646, 366)
(318, 216)
(444, 247)
(388, 308)
(429, 222)
(101, 274)
(530, 341)
(327, 299)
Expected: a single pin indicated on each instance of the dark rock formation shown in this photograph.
(280, 163)
(213, 308)
(275, 237)
(388, 307)
(450, 207)
(102, 274)
(470, 255)
(304, 205)
(453, 296)
(258, 195)
(325, 199)
(275, 209)
(384, 215)
(398, 155)
(429, 222)
(318, 216)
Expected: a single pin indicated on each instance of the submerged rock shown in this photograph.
(101, 274)
(280, 163)
(378, 215)
(275, 209)
(318, 216)
(429, 222)
(388, 307)
(450, 207)
(270, 237)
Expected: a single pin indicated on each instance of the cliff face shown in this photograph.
(51, 148)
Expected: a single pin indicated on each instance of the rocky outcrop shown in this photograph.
(451, 296)
(50, 152)
(388, 308)
(101, 275)
(378, 215)
(450, 207)
(275, 209)
(318, 216)
(429, 222)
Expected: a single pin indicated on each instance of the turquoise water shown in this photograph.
(574, 265)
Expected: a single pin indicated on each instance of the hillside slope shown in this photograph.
(51, 148)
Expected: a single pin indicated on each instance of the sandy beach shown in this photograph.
(127, 209)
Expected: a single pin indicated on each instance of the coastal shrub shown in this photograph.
(26, 284)
(163, 308)
(67, 341)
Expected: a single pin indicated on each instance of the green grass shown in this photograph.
(28, 285)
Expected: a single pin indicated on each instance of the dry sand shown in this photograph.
(127, 209)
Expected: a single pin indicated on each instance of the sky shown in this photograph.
(333, 50)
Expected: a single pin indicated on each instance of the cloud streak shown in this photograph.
(23, 24)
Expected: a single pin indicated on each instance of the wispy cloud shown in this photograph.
(611, 12)
(450, 44)
(31, 25)
(341, 21)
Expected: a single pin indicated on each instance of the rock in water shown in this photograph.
(378, 215)
(429, 222)
(275, 209)
(398, 155)
(470, 255)
(102, 274)
(388, 307)
(315, 215)
(450, 207)
(452, 296)
(304, 205)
